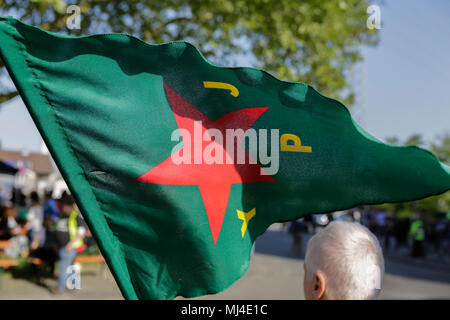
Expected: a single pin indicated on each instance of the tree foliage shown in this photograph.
(315, 41)
(430, 205)
(442, 148)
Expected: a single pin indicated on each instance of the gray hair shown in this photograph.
(350, 258)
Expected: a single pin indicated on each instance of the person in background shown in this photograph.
(389, 234)
(381, 224)
(417, 237)
(296, 229)
(18, 199)
(446, 244)
(8, 224)
(343, 261)
(46, 252)
(70, 231)
(35, 219)
(51, 210)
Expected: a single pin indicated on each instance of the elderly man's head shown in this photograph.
(343, 261)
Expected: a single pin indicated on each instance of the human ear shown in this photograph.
(319, 286)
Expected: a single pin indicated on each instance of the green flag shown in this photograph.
(178, 165)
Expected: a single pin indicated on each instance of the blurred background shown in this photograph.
(386, 60)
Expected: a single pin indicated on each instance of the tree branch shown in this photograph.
(4, 97)
(165, 24)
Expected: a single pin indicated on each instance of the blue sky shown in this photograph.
(406, 86)
(408, 73)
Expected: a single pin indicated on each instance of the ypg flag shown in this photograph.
(179, 165)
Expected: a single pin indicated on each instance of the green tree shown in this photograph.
(431, 205)
(442, 149)
(439, 203)
(315, 41)
(393, 140)
(414, 140)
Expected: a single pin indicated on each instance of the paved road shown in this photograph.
(273, 274)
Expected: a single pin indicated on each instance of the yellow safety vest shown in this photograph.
(73, 230)
(417, 232)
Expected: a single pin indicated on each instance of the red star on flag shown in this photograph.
(213, 180)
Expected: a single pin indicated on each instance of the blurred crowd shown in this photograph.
(44, 231)
(418, 236)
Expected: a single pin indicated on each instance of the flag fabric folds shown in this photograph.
(140, 134)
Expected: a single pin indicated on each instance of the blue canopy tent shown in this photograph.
(7, 169)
